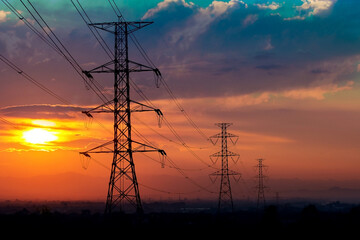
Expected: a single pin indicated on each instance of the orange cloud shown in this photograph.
(318, 92)
(3, 15)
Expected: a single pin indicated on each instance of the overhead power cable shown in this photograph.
(167, 88)
(30, 26)
(171, 128)
(9, 123)
(32, 80)
(54, 42)
(150, 62)
(115, 8)
(94, 31)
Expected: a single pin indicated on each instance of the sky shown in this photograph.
(285, 73)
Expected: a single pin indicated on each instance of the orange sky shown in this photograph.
(302, 142)
(285, 74)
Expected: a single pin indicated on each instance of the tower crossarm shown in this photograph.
(106, 67)
(99, 149)
(140, 107)
(141, 147)
(233, 173)
(233, 138)
(226, 172)
(137, 147)
(106, 108)
(225, 154)
(103, 108)
(214, 157)
(139, 67)
(109, 67)
(132, 26)
(231, 154)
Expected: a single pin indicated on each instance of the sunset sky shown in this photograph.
(284, 72)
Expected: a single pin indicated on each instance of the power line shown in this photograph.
(159, 76)
(94, 31)
(54, 43)
(39, 85)
(29, 25)
(167, 88)
(115, 8)
(171, 128)
(9, 123)
(32, 80)
(59, 47)
(154, 188)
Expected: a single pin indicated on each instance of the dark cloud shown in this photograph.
(42, 111)
(201, 50)
(293, 51)
(319, 71)
(270, 67)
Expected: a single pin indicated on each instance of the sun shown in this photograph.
(39, 136)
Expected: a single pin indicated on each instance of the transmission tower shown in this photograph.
(225, 202)
(260, 184)
(123, 185)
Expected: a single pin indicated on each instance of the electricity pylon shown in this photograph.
(123, 185)
(225, 202)
(260, 185)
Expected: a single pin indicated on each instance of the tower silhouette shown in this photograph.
(225, 202)
(260, 183)
(123, 185)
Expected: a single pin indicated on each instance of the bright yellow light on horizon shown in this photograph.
(44, 123)
(39, 136)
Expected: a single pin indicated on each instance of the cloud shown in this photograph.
(268, 67)
(268, 45)
(316, 6)
(164, 5)
(238, 101)
(65, 122)
(3, 16)
(294, 18)
(43, 111)
(202, 20)
(272, 6)
(250, 19)
(207, 50)
(198, 22)
(318, 92)
(40, 149)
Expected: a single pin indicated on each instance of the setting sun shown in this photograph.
(39, 136)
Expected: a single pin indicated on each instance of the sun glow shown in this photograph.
(39, 136)
(44, 123)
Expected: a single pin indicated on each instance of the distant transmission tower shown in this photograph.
(225, 196)
(260, 184)
(123, 185)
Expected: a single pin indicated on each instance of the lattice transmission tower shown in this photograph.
(225, 202)
(123, 185)
(260, 183)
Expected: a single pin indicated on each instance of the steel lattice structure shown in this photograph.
(225, 196)
(260, 185)
(123, 185)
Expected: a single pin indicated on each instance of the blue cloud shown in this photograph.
(268, 41)
(231, 47)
